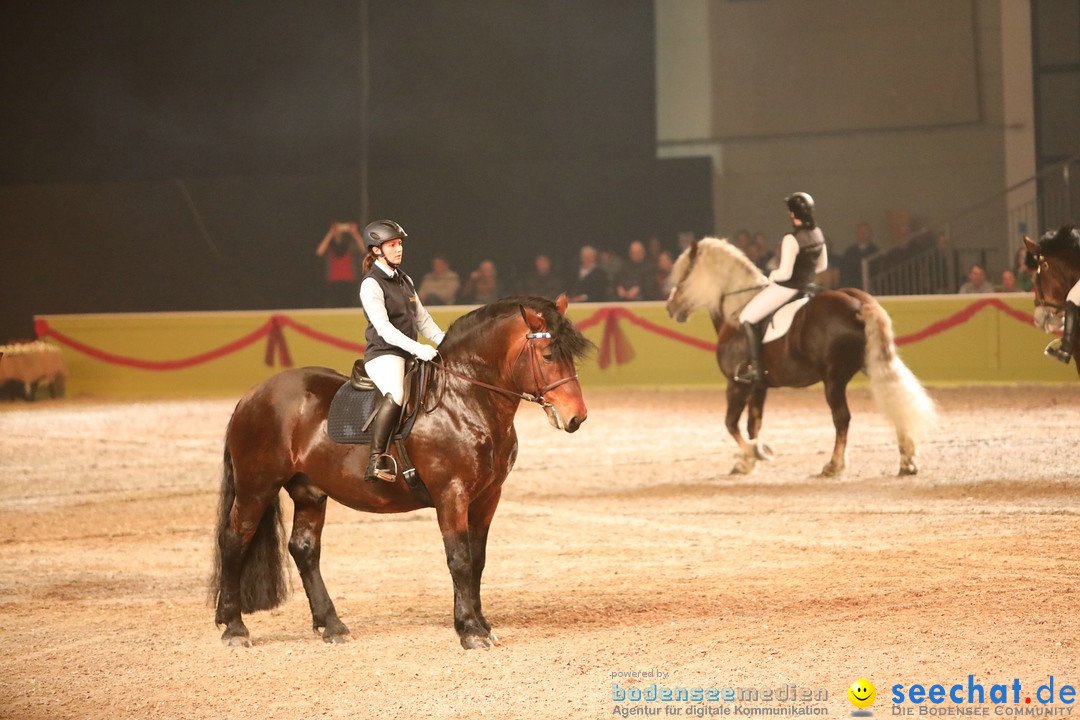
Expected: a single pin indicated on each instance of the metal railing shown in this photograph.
(988, 234)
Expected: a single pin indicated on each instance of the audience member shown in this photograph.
(637, 281)
(341, 246)
(851, 260)
(542, 281)
(592, 282)
(769, 259)
(612, 263)
(482, 287)
(1008, 282)
(741, 240)
(664, 281)
(977, 282)
(441, 285)
(829, 278)
(1024, 275)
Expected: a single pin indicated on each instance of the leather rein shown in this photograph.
(538, 377)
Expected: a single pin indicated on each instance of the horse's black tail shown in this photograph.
(263, 582)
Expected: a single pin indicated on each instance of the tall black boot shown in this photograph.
(1068, 335)
(382, 427)
(753, 374)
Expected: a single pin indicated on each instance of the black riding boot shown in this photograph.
(382, 427)
(753, 374)
(1068, 335)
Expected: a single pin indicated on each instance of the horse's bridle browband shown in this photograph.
(538, 376)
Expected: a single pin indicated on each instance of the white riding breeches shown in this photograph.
(388, 374)
(1074, 294)
(766, 302)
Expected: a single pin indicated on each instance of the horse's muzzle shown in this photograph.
(558, 423)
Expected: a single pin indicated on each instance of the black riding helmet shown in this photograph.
(802, 205)
(378, 232)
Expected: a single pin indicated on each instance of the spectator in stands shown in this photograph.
(977, 282)
(851, 260)
(637, 281)
(664, 281)
(758, 255)
(769, 259)
(482, 287)
(441, 285)
(542, 280)
(592, 281)
(1024, 274)
(341, 247)
(829, 278)
(1008, 282)
(741, 240)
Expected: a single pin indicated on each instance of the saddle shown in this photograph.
(353, 409)
(777, 324)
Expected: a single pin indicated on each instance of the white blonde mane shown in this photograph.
(719, 268)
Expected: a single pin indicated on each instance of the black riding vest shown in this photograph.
(811, 243)
(399, 295)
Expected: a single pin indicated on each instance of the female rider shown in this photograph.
(1063, 352)
(802, 257)
(395, 319)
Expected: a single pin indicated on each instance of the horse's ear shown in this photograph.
(561, 302)
(533, 320)
(1031, 245)
(693, 250)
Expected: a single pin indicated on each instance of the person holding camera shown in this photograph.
(396, 318)
(340, 246)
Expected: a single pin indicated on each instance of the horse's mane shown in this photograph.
(567, 342)
(729, 254)
(1064, 241)
(712, 267)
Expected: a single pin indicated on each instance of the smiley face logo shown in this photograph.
(862, 693)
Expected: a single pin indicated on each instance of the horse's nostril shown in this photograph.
(573, 425)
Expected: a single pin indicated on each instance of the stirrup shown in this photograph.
(747, 376)
(383, 473)
(1054, 350)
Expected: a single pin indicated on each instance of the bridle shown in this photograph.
(1042, 265)
(725, 296)
(538, 376)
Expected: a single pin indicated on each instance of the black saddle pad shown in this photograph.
(349, 412)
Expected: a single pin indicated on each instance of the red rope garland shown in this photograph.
(614, 345)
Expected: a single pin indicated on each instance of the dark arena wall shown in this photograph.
(191, 159)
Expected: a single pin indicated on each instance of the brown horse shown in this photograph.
(835, 335)
(463, 445)
(1056, 260)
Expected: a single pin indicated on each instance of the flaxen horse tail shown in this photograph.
(263, 582)
(897, 392)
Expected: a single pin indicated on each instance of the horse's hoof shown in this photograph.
(763, 452)
(908, 470)
(336, 638)
(831, 470)
(479, 642)
(236, 641)
(740, 469)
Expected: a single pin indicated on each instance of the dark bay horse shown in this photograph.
(1056, 257)
(834, 336)
(463, 445)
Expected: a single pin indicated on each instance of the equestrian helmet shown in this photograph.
(802, 206)
(378, 232)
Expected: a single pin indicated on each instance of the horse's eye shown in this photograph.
(548, 357)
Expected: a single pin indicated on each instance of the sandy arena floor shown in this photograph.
(624, 548)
